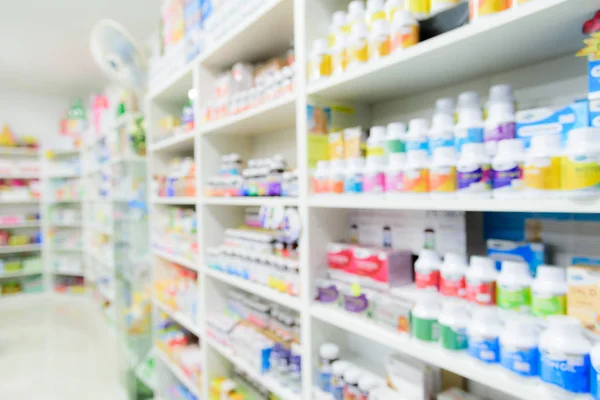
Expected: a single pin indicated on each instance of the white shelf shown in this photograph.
(19, 151)
(20, 249)
(180, 318)
(126, 159)
(256, 289)
(63, 175)
(19, 201)
(64, 153)
(20, 176)
(17, 274)
(174, 200)
(457, 362)
(175, 87)
(176, 143)
(250, 201)
(20, 225)
(66, 249)
(65, 201)
(69, 273)
(66, 224)
(383, 202)
(179, 374)
(268, 382)
(184, 262)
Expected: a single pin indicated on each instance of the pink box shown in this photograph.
(381, 268)
(339, 256)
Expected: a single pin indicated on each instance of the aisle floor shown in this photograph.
(55, 349)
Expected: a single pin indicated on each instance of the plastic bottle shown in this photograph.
(375, 11)
(438, 6)
(367, 383)
(337, 27)
(374, 176)
(353, 181)
(338, 369)
(481, 281)
(376, 143)
(543, 166)
(356, 13)
(473, 172)
(337, 176)
(507, 170)
(328, 354)
(565, 358)
(320, 60)
(394, 175)
(404, 31)
(549, 291)
(415, 179)
(519, 352)
(481, 9)
(351, 377)
(427, 270)
(484, 331)
(379, 40)
(453, 322)
(470, 126)
(514, 286)
(442, 174)
(339, 54)
(441, 133)
(419, 8)
(391, 6)
(500, 123)
(425, 315)
(452, 276)
(396, 134)
(418, 135)
(321, 177)
(445, 106)
(581, 173)
(595, 372)
(358, 45)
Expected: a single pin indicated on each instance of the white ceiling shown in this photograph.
(44, 44)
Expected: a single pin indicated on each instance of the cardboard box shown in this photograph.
(583, 297)
(381, 269)
(534, 254)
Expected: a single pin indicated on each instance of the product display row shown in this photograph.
(19, 168)
(179, 180)
(20, 189)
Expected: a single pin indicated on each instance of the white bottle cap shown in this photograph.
(501, 93)
(396, 130)
(359, 30)
(377, 133)
(564, 323)
(322, 166)
(551, 273)
(500, 108)
(453, 258)
(468, 100)
(352, 375)
(417, 158)
(520, 325)
(418, 126)
(329, 351)
(584, 139)
(338, 20)
(445, 106)
(483, 264)
(374, 5)
(545, 145)
(444, 155)
(474, 150)
(515, 268)
(380, 27)
(442, 122)
(339, 367)
(320, 46)
(511, 147)
(368, 382)
(356, 6)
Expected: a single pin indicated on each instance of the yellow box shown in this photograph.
(583, 297)
(354, 140)
(336, 145)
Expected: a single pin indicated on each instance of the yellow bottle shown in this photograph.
(484, 8)
(419, 8)
(581, 168)
(379, 40)
(320, 60)
(358, 45)
(543, 166)
(405, 31)
(339, 54)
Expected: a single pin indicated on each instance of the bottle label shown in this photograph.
(337, 388)
(474, 178)
(442, 141)
(570, 372)
(514, 298)
(453, 286)
(429, 279)
(582, 172)
(500, 132)
(374, 183)
(484, 349)
(336, 185)
(396, 146)
(467, 135)
(339, 61)
(594, 383)
(543, 173)
(417, 145)
(418, 6)
(508, 177)
(542, 306)
(416, 180)
(356, 304)
(394, 182)
(483, 293)
(442, 179)
(425, 329)
(353, 184)
(325, 380)
(523, 362)
(359, 52)
(405, 37)
(453, 339)
(380, 48)
(487, 7)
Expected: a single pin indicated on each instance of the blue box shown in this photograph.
(534, 254)
(595, 113)
(594, 79)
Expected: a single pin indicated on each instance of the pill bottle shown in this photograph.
(395, 139)
(445, 106)
(356, 14)
(581, 173)
(519, 352)
(351, 377)
(483, 332)
(374, 175)
(425, 315)
(452, 276)
(473, 178)
(415, 179)
(565, 358)
(375, 12)
(338, 369)
(336, 176)
(514, 286)
(358, 45)
(441, 133)
(427, 270)
(320, 60)
(481, 281)
(438, 6)
(337, 27)
(549, 291)
(394, 174)
(379, 40)
(595, 372)
(470, 125)
(442, 174)
(500, 122)
(482, 9)
(404, 31)
(328, 354)
(339, 54)
(453, 322)
(543, 167)
(321, 177)
(367, 383)
(417, 137)
(391, 6)
(354, 175)
(419, 8)
(507, 170)
(377, 141)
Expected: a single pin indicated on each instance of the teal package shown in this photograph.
(546, 121)
(534, 254)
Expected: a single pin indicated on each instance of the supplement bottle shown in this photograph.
(483, 332)
(396, 134)
(338, 369)
(416, 173)
(404, 31)
(425, 315)
(595, 372)
(367, 383)
(427, 270)
(336, 176)
(441, 133)
(452, 276)
(514, 286)
(374, 176)
(453, 322)
(321, 177)
(500, 122)
(351, 377)
(337, 27)
(438, 6)
(418, 135)
(391, 6)
(481, 9)
(481, 281)
(507, 170)
(375, 12)
(470, 126)
(320, 60)
(419, 8)
(394, 174)
(581, 173)
(356, 14)
(339, 54)
(442, 175)
(379, 40)
(473, 178)
(565, 358)
(328, 354)
(376, 143)
(519, 347)
(445, 106)
(358, 45)
(543, 167)
(549, 291)
(353, 181)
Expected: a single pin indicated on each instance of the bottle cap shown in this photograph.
(339, 367)
(380, 27)
(418, 126)
(351, 375)
(551, 273)
(515, 268)
(356, 6)
(404, 17)
(483, 264)
(329, 351)
(501, 93)
(468, 100)
(338, 19)
(445, 106)
(368, 382)
(374, 5)
(545, 144)
(377, 132)
(511, 147)
(396, 130)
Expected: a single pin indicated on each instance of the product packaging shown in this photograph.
(381, 268)
(581, 165)
(357, 300)
(594, 79)
(354, 138)
(583, 296)
(411, 377)
(595, 113)
(393, 312)
(534, 254)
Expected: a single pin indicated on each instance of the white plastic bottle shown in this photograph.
(338, 369)
(425, 314)
(581, 173)
(375, 11)
(404, 31)
(470, 126)
(441, 133)
(416, 174)
(339, 54)
(358, 45)
(452, 275)
(549, 291)
(418, 135)
(374, 176)
(427, 270)
(396, 136)
(328, 354)
(507, 170)
(379, 40)
(500, 123)
(565, 359)
(484, 331)
(453, 322)
(445, 106)
(351, 377)
(376, 143)
(514, 286)
(320, 60)
(354, 177)
(391, 6)
(367, 383)
(473, 172)
(543, 167)
(481, 281)
(337, 26)
(442, 174)
(321, 177)
(595, 372)
(519, 352)
(356, 13)
(394, 175)
(337, 175)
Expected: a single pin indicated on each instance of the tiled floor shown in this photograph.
(52, 349)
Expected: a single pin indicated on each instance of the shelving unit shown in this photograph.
(472, 57)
